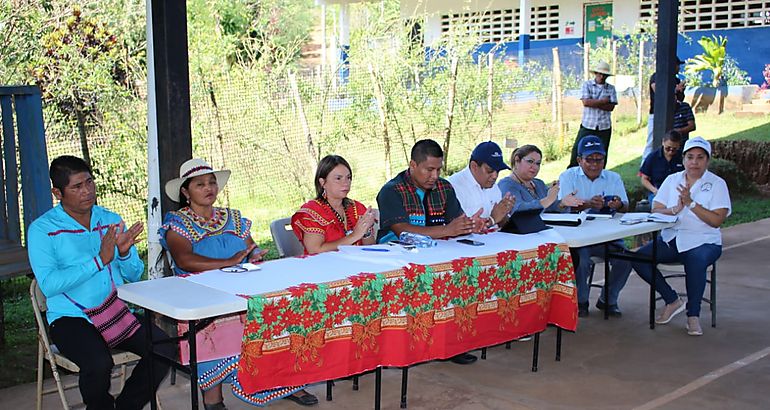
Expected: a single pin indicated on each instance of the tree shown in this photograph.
(712, 59)
(80, 67)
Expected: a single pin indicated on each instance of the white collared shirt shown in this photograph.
(472, 196)
(710, 192)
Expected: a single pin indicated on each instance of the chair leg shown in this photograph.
(714, 295)
(40, 369)
(57, 379)
(173, 376)
(122, 376)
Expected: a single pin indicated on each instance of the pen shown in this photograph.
(375, 250)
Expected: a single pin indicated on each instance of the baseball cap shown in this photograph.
(489, 153)
(697, 142)
(590, 144)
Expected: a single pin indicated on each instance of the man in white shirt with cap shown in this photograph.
(476, 190)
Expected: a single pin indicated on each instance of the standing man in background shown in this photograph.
(679, 88)
(599, 100)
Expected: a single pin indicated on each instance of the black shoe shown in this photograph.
(304, 398)
(583, 309)
(614, 309)
(465, 358)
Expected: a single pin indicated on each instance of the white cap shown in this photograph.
(697, 142)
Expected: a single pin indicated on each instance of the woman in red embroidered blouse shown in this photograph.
(332, 219)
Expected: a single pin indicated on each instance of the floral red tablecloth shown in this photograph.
(315, 332)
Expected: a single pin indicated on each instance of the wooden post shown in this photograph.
(381, 109)
(640, 80)
(313, 156)
(450, 112)
(559, 97)
(614, 71)
(586, 61)
(490, 92)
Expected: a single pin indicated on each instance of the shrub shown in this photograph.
(737, 181)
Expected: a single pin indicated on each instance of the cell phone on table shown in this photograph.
(470, 242)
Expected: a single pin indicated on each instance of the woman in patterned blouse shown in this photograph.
(203, 237)
(332, 219)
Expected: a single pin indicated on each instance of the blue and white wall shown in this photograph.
(749, 46)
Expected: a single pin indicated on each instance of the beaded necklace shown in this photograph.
(339, 217)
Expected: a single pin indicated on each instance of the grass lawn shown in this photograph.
(19, 355)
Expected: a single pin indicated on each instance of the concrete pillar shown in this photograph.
(344, 40)
(524, 27)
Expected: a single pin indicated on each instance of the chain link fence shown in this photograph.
(271, 129)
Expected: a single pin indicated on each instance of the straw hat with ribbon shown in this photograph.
(193, 168)
(602, 68)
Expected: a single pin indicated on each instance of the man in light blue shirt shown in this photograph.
(79, 253)
(602, 191)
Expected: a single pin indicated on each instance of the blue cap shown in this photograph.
(590, 144)
(489, 153)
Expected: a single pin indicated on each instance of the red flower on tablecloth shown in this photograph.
(467, 292)
(333, 306)
(485, 283)
(389, 293)
(359, 280)
(301, 289)
(412, 270)
(545, 249)
(452, 291)
(399, 283)
(270, 314)
(459, 264)
(368, 307)
(282, 303)
(506, 256)
(418, 300)
(439, 285)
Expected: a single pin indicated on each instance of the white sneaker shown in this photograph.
(669, 311)
(693, 326)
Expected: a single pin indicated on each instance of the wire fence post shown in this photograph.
(381, 110)
(586, 60)
(490, 92)
(450, 112)
(640, 80)
(559, 97)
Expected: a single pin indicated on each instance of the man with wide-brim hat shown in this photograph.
(599, 99)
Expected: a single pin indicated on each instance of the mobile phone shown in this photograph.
(470, 242)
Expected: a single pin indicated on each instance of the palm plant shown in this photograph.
(712, 59)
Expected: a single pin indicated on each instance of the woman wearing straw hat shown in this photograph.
(599, 99)
(203, 237)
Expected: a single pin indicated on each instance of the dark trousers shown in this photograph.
(78, 340)
(603, 135)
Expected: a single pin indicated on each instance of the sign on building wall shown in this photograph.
(598, 24)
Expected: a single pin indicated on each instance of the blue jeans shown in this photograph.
(695, 262)
(619, 271)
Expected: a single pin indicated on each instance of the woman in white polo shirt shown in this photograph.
(702, 202)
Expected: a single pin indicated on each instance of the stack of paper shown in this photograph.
(637, 217)
(656, 217)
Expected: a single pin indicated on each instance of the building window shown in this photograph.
(714, 14)
(494, 26)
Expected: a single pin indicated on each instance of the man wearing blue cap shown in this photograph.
(602, 191)
(475, 185)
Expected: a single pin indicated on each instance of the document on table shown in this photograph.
(638, 217)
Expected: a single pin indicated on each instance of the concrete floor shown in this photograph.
(614, 364)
